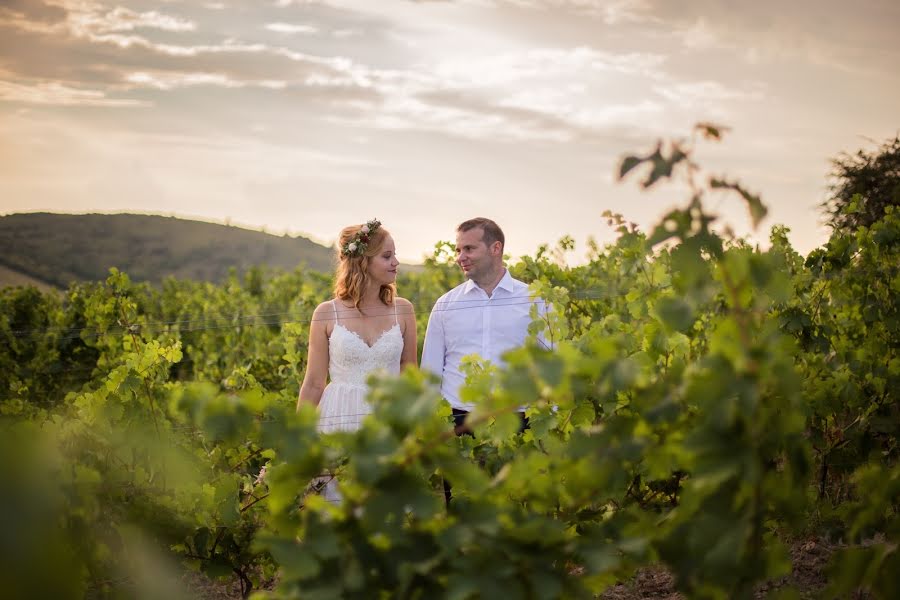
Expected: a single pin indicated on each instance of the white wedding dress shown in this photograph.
(350, 361)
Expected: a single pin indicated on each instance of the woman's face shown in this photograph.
(383, 266)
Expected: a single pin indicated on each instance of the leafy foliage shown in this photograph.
(864, 185)
(706, 401)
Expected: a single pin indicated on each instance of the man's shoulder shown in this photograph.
(520, 290)
(453, 294)
(518, 287)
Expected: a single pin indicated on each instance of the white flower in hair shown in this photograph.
(359, 243)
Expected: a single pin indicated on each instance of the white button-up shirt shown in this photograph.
(467, 321)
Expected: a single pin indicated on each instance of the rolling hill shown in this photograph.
(52, 250)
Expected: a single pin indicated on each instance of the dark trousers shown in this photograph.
(459, 417)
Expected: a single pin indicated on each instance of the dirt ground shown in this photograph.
(197, 585)
(809, 557)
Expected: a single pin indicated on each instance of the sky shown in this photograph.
(301, 117)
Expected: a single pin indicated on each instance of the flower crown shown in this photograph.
(360, 242)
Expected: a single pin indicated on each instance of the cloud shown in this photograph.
(33, 10)
(88, 46)
(85, 19)
(290, 28)
(687, 94)
(513, 96)
(516, 119)
(509, 97)
(849, 36)
(100, 48)
(170, 81)
(91, 20)
(544, 63)
(611, 12)
(508, 92)
(53, 93)
(834, 33)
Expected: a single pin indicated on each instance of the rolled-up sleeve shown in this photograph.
(433, 347)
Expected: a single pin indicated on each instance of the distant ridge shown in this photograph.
(57, 249)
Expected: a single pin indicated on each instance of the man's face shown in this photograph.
(474, 256)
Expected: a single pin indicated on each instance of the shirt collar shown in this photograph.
(505, 283)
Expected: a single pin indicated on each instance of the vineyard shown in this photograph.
(707, 403)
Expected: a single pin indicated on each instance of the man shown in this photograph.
(486, 315)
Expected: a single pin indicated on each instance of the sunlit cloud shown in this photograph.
(57, 94)
(611, 12)
(291, 28)
(545, 63)
(514, 95)
(169, 81)
(91, 19)
(706, 93)
(287, 3)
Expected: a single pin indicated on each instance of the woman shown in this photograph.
(364, 328)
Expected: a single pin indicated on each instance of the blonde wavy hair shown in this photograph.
(352, 276)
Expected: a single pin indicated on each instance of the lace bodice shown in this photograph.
(351, 359)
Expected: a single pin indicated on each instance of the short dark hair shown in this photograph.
(491, 231)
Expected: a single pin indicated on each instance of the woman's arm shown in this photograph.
(408, 318)
(316, 356)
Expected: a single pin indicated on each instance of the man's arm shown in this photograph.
(433, 348)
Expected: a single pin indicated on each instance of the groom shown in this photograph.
(486, 315)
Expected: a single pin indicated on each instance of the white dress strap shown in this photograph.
(334, 306)
(396, 321)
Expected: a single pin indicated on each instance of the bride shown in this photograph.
(364, 328)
